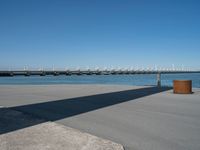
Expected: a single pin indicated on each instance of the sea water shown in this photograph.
(138, 79)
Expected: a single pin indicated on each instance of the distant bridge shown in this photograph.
(88, 72)
(91, 72)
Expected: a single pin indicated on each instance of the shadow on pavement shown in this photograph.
(60, 109)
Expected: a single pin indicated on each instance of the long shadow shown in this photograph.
(60, 109)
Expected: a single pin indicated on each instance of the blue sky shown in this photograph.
(103, 33)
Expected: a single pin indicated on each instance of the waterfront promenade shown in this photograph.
(139, 118)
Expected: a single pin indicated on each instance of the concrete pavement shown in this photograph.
(25, 132)
(143, 119)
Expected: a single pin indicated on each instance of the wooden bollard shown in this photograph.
(182, 86)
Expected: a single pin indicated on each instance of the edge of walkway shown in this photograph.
(45, 135)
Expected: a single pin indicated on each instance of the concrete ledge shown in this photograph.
(50, 136)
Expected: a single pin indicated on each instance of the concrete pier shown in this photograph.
(139, 118)
(45, 135)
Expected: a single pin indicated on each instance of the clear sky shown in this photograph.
(103, 33)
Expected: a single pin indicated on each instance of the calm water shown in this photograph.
(102, 79)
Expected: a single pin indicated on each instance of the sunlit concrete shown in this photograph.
(161, 120)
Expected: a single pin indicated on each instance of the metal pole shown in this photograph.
(159, 79)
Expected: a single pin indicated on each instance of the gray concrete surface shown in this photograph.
(139, 119)
(46, 135)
